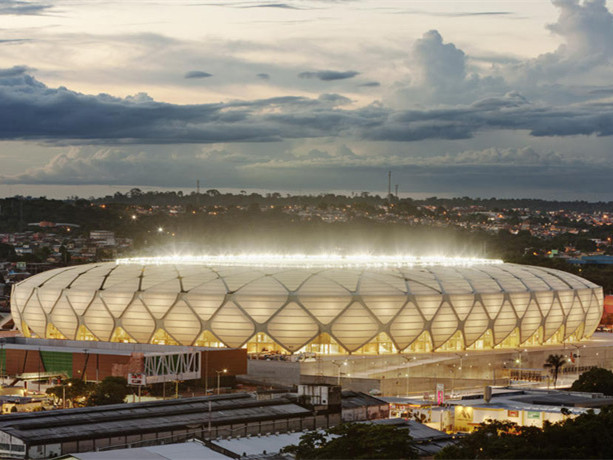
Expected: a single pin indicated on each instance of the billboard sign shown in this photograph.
(137, 378)
(440, 394)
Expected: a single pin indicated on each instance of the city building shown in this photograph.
(311, 305)
(52, 433)
(30, 359)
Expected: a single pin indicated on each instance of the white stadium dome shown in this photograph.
(324, 305)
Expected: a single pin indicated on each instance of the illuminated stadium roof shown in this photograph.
(323, 304)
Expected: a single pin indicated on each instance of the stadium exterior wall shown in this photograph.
(331, 310)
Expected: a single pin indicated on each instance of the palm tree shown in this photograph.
(554, 363)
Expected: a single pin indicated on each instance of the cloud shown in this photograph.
(344, 156)
(272, 5)
(440, 64)
(329, 75)
(439, 74)
(23, 8)
(197, 74)
(29, 110)
(15, 71)
(522, 172)
(263, 76)
(587, 28)
(370, 84)
(586, 54)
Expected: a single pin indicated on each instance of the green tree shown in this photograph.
(7, 251)
(596, 380)
(356, 441)
(554, 363)
(76, 390)
(112, 390)
(589, 435)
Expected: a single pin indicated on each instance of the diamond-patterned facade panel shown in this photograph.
(462, 304)
(262, 298)
(294, 304)
(292, 327)
(34, 316)
(182, 323)
(530, 322)
(594, 313)
(64, 318)
(157, 299)
(98, 319)
(444, 324)
(476, 324)
(354, 327)
(554, 319)
(232, 326)
(325, 299)
(566, 300)
(384, 307)
(505, 322)
(520, 301)
(205, 300)
(574, 319)
(428, 305)
(138, 322)
(545, 301)
(492, 303)
(407, 326)
(117, 300)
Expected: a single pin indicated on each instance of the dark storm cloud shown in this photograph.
(197, 74)
(329, 75)
(15, 7)
(29, 110)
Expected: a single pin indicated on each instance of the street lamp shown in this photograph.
(223, 371)
(69, 384)
(577, 355)
(338, 366)
(518, 361)
(408, 359)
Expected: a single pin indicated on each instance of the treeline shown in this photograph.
(214, 196)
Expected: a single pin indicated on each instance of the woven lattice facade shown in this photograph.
(298, 308)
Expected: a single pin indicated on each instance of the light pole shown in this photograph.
(223, 371)
(518, 361)
(338, 367)
(578, 355)
(408, 359)
(69, 384)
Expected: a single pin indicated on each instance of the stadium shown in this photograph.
(327, 305)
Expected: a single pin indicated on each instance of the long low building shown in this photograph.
(54, 433)
(38, 359)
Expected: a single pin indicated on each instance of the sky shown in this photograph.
(457, 98)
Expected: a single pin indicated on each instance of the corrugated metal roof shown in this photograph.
(181, 451)
(153, 416)
(352, 399)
